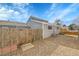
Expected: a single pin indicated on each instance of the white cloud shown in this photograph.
(20, 14)
(21, 4)
(16, 13)
(3, 17)
(6, 11)
(56, 13)
(67, 11)
(51, 10)
(4, 14)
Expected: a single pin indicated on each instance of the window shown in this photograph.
(49, 27)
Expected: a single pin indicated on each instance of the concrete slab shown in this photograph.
(25, 47)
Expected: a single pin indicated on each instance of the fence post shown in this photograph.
(78, 30)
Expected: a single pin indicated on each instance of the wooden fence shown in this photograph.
(72, 33)
(14, 37)
(65, 31)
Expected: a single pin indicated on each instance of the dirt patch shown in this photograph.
(65, 51)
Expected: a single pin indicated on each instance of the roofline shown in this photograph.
(12, 21)
(40, 22)
(38, 19)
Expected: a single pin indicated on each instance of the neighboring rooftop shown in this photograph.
(13, 24)
(37, 19)
(5, 22)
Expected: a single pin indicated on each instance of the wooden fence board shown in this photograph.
(14, 36)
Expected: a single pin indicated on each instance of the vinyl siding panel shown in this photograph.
(35, 25)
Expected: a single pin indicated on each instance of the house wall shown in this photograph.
(42, 25)
(34, 25)
(49, 32)
(46, 32)
(55, 30)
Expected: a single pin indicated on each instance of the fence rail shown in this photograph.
(11, 38)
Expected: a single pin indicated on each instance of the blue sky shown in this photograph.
(20, 12)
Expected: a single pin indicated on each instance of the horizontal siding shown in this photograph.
(35, 25)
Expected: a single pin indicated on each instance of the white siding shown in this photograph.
(46, 32)
(44, 26)
(55, 30)
(35, 25)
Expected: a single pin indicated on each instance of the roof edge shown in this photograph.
(38, 19)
